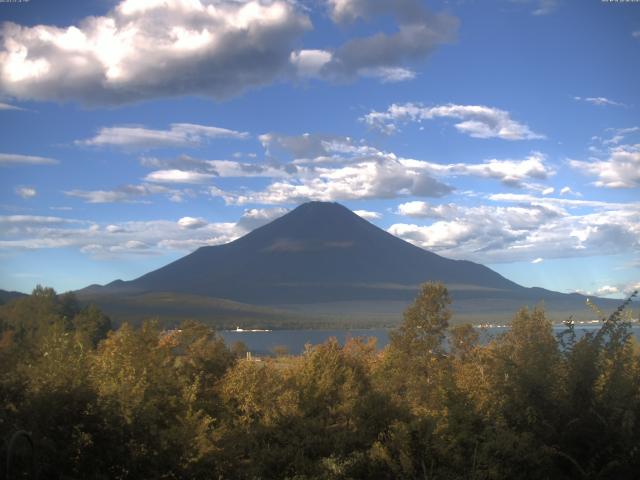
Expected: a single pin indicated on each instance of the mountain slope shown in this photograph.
(315, 253)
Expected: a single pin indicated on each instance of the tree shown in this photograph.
(425, 322)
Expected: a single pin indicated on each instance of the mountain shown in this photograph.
(323, 259)
(6, 296)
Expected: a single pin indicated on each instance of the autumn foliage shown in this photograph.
(437, 402)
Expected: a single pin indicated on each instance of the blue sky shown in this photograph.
(505, 132)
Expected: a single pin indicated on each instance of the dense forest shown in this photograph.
(148, 403)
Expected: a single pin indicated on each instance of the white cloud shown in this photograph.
(368, 215)
(511, 172)
(6, 106)
(537, 260)
(607, 290)
(384, 55)
(218, 168)
(635, 34)
(477, 121)
(144, 49)
(309, 63)
(178, 135)
(548, 191)
(567, 191)
(339, 168)
(178, 176)
(389, 74)
(537, 228)
(315, 148)
(126, 193)
(256, 217)
(218, 48)
(545, 7)
(154, 237)
(620, 170)
(599, 101)
(9, 221)
(388, 178)
(560, 202)
(191, 223)
(26, 192)
(16, 159)
(106, 241)
(420, 209)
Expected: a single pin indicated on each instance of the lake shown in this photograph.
(264, 342)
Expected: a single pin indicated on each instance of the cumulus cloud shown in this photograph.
(148, 49)
(178, 135)
(330, 168)
(384, 55)
(599, 101)
(16, 159)
(477, 121)
(368, 215)
(490, 234)
(620, 170)
(26, 192)
(388, 178)
(217, 48)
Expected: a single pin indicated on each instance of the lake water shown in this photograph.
(263, 343)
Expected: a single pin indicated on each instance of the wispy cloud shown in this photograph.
(109, 240)
(6, 106)
(477, 121)
(178, 176)
(123, 194)
(545, 7)
(17, 159)
(599, 101)
(178, 135)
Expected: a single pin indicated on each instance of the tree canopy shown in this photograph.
(436, 402)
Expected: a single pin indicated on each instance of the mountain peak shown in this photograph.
(317, 221)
